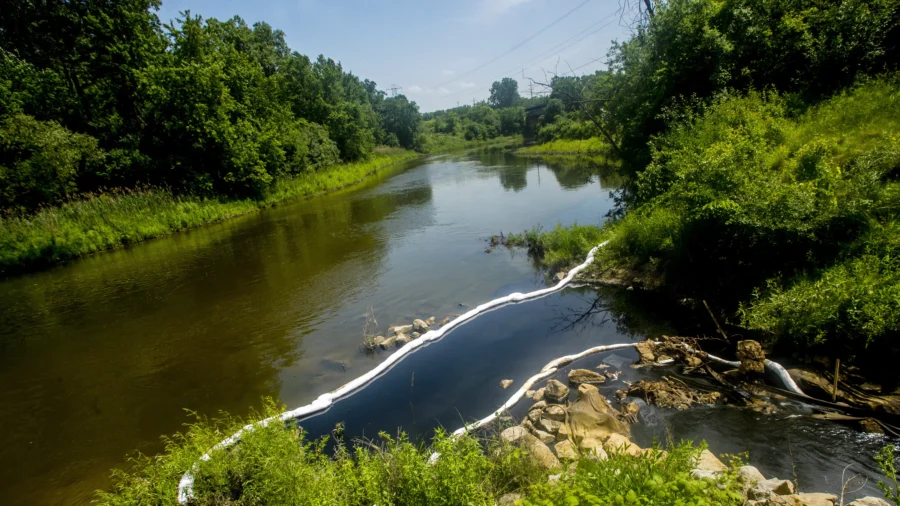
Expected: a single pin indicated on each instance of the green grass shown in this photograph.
(279, 465)
(592, 146)
(107, 221)
(561, 246)
(436, 143)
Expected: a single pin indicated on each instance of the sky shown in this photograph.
(439, 53)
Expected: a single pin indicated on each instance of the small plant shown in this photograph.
(370, 327)
(885, 459)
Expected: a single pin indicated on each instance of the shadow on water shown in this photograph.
(457, 380)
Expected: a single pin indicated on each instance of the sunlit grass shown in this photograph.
(106, 221)
(592, 146)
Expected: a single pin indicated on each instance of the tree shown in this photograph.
(401, 118)
(504, 93)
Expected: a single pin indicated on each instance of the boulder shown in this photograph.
(578, 376)
(561, 275)
(709, 462)
(551, 426)
(803, 500)
(544, 437)
(564, 433)
(506, 383)
(700, 474)
(377, 340)
(539, 405)
(388, 343)
(539, 394)
(591, 419)
(753, 360)
(509, 499)
(617, 443)
(529, 393)
(400, 329)
(566, 450)
(535, 415)
(537, 450)
(870, 501)
(555, 412)
(555, 392)
(415, 335)
(401, 339)
(445, 321)
(750, 475)
(765, 489)
(430, 321)
(646, 351)
(420, 326)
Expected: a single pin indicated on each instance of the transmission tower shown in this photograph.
(394, 89)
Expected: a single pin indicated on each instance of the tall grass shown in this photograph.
(107, 221)
(561, 246)
(280, 465)
(592, 146)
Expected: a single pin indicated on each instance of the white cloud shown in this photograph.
(447, 72)
(415, 89)
(466, 85)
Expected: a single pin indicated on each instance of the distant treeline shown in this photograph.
(98, 94)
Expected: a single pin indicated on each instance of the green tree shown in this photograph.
(401, 118)
(504, 93)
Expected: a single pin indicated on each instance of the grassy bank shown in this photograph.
(786, 217)
(592, 146)
(436, 143)
(107, 221)
(278, 465)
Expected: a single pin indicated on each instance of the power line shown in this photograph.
(517, 46)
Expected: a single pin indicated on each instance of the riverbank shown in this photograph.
(108, 221)
(437, 143)
(583, 147)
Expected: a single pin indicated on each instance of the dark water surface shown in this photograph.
(457, 380)
(101, 356)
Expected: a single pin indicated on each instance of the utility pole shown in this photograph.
(394, 89)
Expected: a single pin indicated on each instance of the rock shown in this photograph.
(536, 449)
(539, 405)
(617, 443)
(377, 340)
(539, 394)
(709, 462)
(870, 501)
(430, 321)
(544, 437)
(444, 322)
(803, 500)
(646, 351)
(767, 488)
(578, 376)
(702, 473)
(555, 412)
(631, 411)
(401, 339)
(670, 394)
(753, 360)
(535, 415)
(565, 450)
(506, 383)
(420, 326)
(551, 426)
(400, 329)
(561, 275)
(509, 499)
(593, 447)
(415, 335)
(750, 475)
(388, 343)
(564, 433)
(529, 393)
(591, 420)
(555, 392)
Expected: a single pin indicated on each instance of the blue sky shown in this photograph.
(440, 53)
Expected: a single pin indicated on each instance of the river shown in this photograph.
(101, 356)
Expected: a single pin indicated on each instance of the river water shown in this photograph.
(101, 356)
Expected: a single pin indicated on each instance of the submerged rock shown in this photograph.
(578, 376)
(420, 326)
(430, 321)
(388, 343)
(445, 321)
(400, 329)
(506, 383)
(401, 339)
(555, 392)
(377, 340)
(415, 335)
(561, 275)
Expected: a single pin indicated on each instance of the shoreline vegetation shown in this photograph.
(440, 143)
(574, 147)
(106, 221)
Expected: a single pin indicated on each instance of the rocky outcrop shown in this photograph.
(753, 360)
(555, 392)
(579, 376)
(537, 450)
